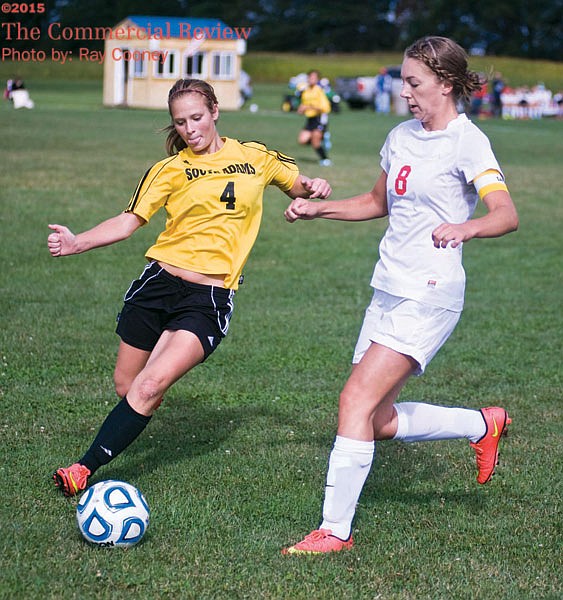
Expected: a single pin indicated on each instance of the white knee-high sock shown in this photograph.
(419, 422)
(348, 468)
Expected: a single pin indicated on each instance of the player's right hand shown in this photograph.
(300, 209)
(61, 242)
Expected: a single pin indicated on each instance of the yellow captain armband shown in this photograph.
(489, 181)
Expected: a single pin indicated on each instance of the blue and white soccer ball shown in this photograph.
(112, 513)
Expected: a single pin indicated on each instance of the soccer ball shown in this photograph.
(112, 513)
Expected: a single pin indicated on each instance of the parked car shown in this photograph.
(359, 92)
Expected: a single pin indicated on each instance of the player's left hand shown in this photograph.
(449, 233)
(317, 188)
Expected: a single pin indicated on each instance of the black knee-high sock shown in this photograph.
(321, 152)
(122, 427)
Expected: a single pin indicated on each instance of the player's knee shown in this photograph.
(350, 404)
(146, 394)
(150, 389)
(121, 384)
(355, 405)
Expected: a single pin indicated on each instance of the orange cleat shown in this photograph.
(72, 480)
(320, 541)
(486, 449)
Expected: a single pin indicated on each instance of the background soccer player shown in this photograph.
(177, 312)
(315, 105)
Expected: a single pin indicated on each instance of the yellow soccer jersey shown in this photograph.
(213, 205)
(315, 97)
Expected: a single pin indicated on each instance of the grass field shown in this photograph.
(233, 464)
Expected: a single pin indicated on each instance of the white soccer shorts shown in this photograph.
(407, 326)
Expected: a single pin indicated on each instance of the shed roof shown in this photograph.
(177, 26)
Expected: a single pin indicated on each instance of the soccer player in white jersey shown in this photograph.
(435, 167)
(177, 312)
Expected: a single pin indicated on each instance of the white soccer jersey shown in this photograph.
(429, 175)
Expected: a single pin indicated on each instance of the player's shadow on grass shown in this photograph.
(183, 430)
(188, 427)
(419, 473)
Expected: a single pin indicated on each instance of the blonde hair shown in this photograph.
(448, 61)
(174, 142)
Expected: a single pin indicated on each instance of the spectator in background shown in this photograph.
(477, 97)
(245, 86)
(527, 103)
(497, 87)
(383, 83)
(333, 98)
(16, 92)
(8, 89)
(558, 101)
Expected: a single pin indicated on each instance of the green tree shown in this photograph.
(509, 27)
(531, 29)
(336, 26)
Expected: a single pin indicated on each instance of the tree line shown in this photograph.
(517, 28)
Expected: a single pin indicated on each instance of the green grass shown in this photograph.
(233, 464)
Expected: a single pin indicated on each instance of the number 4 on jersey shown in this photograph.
(228, 196)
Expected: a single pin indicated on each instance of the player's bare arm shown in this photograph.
(303, 108)
(501, 218)
(62, 242)
(304, 187)
(364, 207)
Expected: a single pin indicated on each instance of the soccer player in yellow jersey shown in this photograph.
(177, 312)
(316, 107)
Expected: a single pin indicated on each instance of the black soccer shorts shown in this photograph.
(159, 301)
(313, 123)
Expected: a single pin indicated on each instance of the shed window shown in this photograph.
(195, 65)
(223, 65)
(167, 65)
(139, 65)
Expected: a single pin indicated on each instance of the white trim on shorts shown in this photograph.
(127, 297)
(407, 326)
(227, 319)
